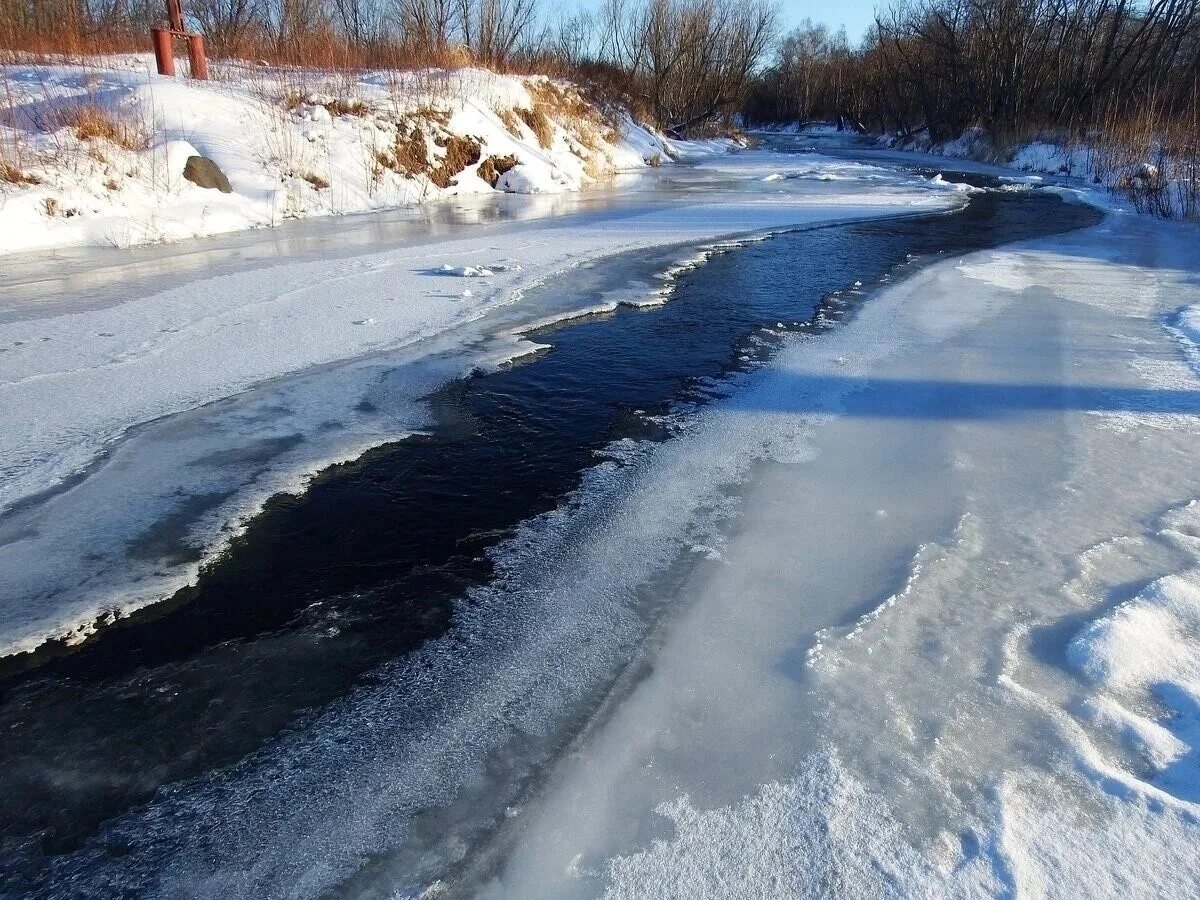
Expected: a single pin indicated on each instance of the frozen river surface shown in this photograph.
(880, 578)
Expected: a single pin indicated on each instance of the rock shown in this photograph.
(203, 172)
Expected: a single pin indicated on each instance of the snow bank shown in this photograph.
(293, 144)
(1164, 186)
(1143, 659)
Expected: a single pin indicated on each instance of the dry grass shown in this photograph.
(493, 167)
(344, 107)
(51, 207)
(316, 180)
(91, 123)
(461, 153)
(10, 174)
(512, 122)
(432, 115)
(294, 98)
(567, 107)
(566, 102)
(319, 47)
(539, 123)
(410, 154)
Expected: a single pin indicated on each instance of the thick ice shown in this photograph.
(993, 406)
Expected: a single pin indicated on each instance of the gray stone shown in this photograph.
(203, 172)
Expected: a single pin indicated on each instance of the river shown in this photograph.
(348, 643)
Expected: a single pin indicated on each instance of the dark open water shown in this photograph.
(367, 564)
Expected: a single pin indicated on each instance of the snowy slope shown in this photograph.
(97, 152)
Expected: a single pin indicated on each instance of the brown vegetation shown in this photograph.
(410, 154)
(461, 153)
(52, 208)
(493, 167)
(340, 106)
(10, 174)
(91, 123)
(539, 123)
(512, 122)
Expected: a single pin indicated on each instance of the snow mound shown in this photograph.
(1143, 658)
(1147, 642)
(957, 186)
(525, 179)
(484, 271)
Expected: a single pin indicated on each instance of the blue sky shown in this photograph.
(856, 15)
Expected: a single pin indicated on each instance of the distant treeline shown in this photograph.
(682, 64)
(1008, 66)
(935, 66)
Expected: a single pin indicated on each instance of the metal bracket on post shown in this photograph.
(164, 39)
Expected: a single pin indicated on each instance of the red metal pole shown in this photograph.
(175, 14)
(196, 57)
(164, 54)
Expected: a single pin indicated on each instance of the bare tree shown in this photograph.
(492, 29)
(226, 23)
(690, 61)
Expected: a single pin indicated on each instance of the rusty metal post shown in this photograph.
(164, 53)
(199, 62)
(175, 14)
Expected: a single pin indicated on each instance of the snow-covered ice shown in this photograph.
(943, 700)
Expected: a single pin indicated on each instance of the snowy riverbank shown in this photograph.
(948, 647)
(1153, 180)
(95, 154)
